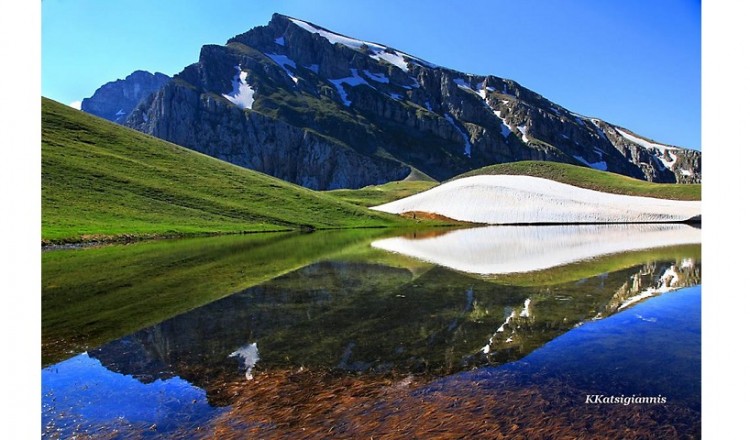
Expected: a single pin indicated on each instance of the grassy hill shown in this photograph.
(571, 174)
(104, 181)
(379, 194)
(585, 177)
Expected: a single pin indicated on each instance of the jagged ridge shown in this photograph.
(115, 100)
(326, 111)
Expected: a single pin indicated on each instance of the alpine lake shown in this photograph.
(581, 331)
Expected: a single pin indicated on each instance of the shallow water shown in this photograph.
(606, 318)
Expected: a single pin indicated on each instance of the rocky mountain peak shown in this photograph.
(115, 100)
(325, 110)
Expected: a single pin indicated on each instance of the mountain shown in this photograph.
(447, 322)
(116, 99)
(102, 181)
(326, 111)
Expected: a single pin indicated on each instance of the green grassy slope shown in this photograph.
(101, 180)
(379, 194)
(585, 177)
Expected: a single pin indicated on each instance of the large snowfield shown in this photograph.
(515, 249)
(506, 199)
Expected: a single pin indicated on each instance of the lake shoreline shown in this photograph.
(95, 240)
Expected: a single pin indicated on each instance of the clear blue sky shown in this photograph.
(633, 63)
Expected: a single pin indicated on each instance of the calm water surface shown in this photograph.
(539, 316)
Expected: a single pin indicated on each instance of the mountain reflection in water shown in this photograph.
(378, 314)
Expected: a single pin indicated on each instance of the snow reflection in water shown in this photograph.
(515, 249)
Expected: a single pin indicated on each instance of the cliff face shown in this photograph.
(326, 111)
(115, 100)
(207, 123)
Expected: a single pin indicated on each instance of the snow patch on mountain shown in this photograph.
(463, 85)
(643, 142)
(523, 129)
(354, 80)
(505, 127)
(467, 144)
(599, 130)
(377, 77)
(378, 51)
(664, 150)
(242, 95)
(283, 61)
(332, 37)
(397, 59)
(667, 159)
(480, 89)
(602, 165)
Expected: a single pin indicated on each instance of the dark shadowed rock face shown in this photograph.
(115, 100)
(326, 111)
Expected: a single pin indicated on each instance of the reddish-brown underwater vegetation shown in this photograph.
(306, 404)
